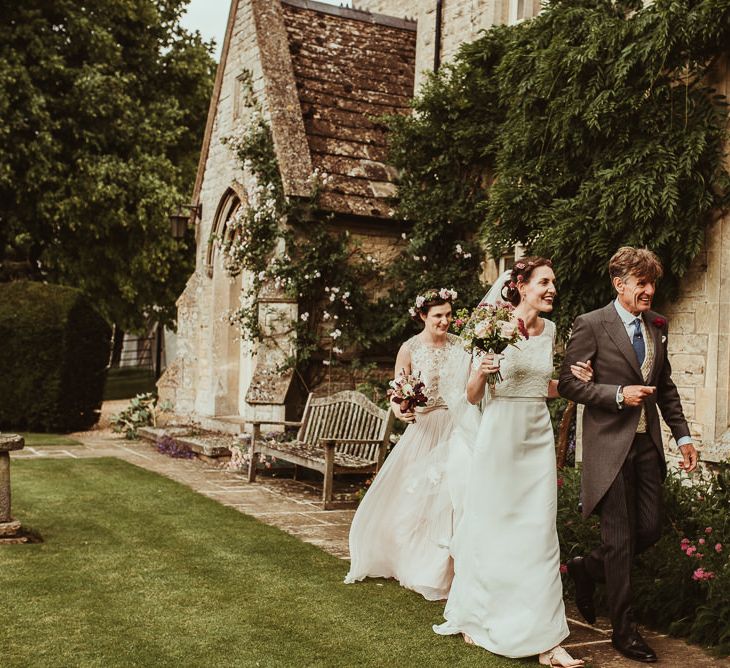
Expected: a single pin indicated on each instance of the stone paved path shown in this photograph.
(293, 507)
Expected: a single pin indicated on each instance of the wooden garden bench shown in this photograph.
(342, 433)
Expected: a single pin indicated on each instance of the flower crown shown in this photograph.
(447, 294)
(520, 267)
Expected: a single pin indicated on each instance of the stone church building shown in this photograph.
(321, 73)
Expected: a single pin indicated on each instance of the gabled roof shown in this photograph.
(344, 68)
(350, 67)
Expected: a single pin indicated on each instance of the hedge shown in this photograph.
(54, 351)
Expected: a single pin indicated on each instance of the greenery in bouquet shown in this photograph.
(490, 328)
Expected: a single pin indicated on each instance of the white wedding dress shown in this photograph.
(403, 526)
(507, 592)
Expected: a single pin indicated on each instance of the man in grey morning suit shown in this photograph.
(623, 457)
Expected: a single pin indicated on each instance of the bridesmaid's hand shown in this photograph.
(582, 371)
(409, 418)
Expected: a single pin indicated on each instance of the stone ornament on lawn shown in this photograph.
(10, 530)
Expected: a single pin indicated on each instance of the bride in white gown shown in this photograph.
(506, 595)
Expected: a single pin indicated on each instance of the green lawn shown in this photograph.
(127, 382)
(137, 570)
(33, 439)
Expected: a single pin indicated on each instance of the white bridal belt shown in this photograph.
(540, 399)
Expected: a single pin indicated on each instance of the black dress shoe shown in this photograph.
(584, 588)
(634, 647)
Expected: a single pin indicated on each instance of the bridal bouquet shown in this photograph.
(490, 328)
(408, 391)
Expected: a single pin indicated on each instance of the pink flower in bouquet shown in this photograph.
(508, 329)
(490, 329)
(483, 329)
(523, 329)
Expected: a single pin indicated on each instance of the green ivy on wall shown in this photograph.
(586, 128)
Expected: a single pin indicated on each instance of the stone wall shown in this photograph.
(461, 22)
(699, 330)
(212, 370)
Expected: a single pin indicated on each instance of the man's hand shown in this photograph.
(689, 453)
(634, 395)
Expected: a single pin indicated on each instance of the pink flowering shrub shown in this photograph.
(682, 584)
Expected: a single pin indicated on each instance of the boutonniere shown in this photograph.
(659, 322)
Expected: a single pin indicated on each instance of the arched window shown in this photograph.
(227, 207)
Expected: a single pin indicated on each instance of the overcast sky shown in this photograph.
(210, 17)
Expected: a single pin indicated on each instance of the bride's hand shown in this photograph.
(488, 365)
(582, 371)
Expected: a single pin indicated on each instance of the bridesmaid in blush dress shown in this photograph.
(403, 525)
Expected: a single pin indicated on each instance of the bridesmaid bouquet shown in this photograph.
(408, 391)
(490, 328)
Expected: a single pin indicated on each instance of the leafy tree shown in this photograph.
(589, 127)
(102, 109)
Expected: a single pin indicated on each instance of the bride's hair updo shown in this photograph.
(521, 273)
(429, 298)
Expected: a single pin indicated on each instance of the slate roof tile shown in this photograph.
(348, 72)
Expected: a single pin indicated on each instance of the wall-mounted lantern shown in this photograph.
(181, 216)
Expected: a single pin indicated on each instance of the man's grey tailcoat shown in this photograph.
(608, 432)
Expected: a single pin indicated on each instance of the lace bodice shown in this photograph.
(526, 371)
(428, 360)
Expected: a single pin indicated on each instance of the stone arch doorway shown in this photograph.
(230, 356)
